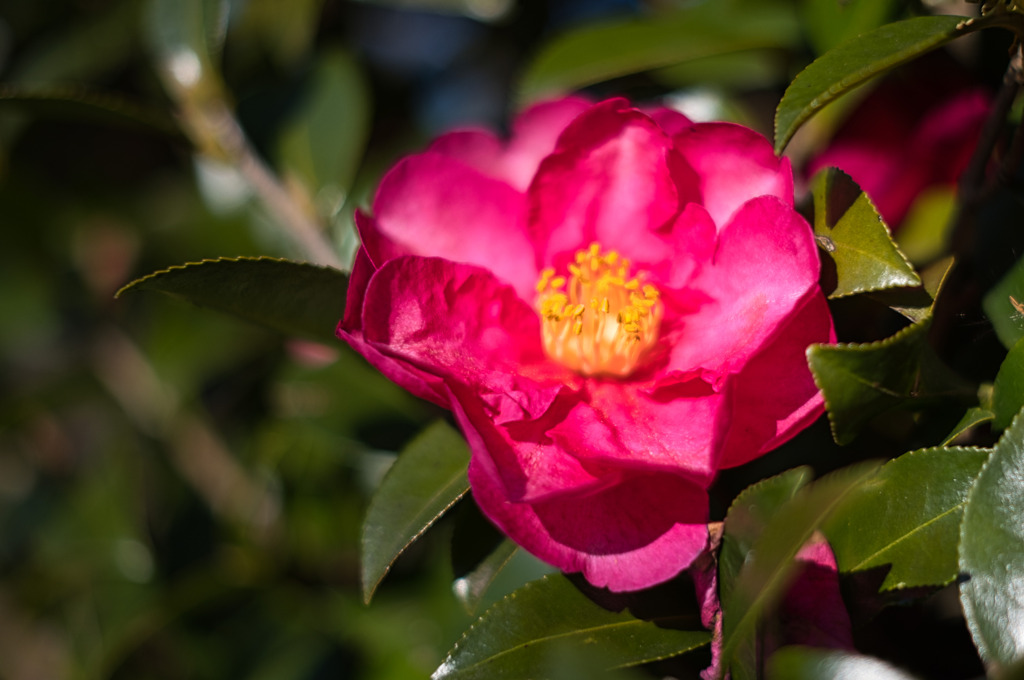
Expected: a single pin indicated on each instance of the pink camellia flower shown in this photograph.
(915, 131)
(614, 304)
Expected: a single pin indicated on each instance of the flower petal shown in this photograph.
(423, 384)
(612, 179)
(765, 266)
(677, 429)
(526, 463)
(774, 397)
(432, 205)
(460, 323)
(534, 133)
(734, 164)
(632, 535)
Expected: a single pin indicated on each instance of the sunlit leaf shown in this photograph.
(855, 61)
(702, 30)
(769, 567)
(521, 636)
(323, 143)
(812, 663)
(908, 516)
(426, 480)
(851, 231)
(992, 553)
(290, 297)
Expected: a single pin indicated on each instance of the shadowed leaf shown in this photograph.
(426, 480)
(289, 297)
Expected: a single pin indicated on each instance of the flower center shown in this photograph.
(599, 320)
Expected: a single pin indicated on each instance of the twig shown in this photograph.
(228, 135)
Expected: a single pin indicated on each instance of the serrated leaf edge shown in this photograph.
(218, 260)
(862, 565)
(860, 346)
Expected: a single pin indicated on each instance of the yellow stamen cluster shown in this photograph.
(599, 320)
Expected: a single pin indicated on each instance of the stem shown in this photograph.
(222, 129)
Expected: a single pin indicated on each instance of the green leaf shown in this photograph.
(290, 297)
(975, 416)
(752, 509)
(769, 566)
(322, 145)
(746, 518)
(830, 22)
(527, 631)
(1001, 309)
(861, 381)
(857, 60)
(608, 50)
(811, 663)
(992, 553)
(1008, 390)
(850, 230)
(908, 516)
(471, 587)
(426, 480)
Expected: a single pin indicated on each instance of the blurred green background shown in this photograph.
(181, 493)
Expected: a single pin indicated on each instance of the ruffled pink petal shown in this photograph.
(775, 397)
(734, 164)
(460, 323)
(677, 429)
(422, 384)
(765, 266)
(526, 463)
(635, 534)
(612, 179)
(432, 205)
(671, 121)
(534, 133)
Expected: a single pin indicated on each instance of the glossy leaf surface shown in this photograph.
(908, 516)
(289, 297)
(857, 60)
(851, 231)
(426, 480)
(992, 553)
(527, 632)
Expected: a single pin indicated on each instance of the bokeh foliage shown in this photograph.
(186, 494)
